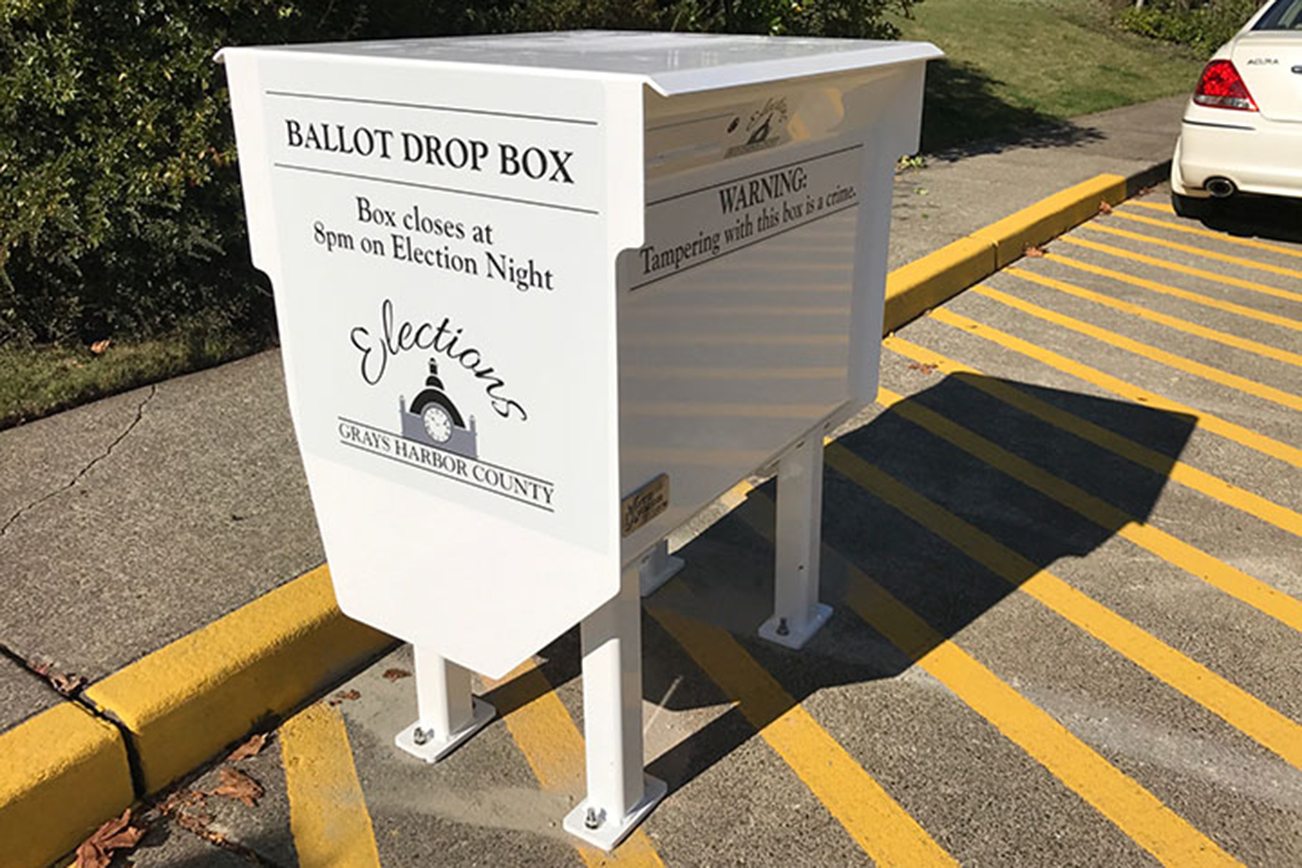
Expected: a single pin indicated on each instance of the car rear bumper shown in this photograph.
(1258, 155)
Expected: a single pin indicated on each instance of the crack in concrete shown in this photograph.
(131, 426)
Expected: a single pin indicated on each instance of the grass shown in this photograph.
(38, 381)
(1014, 64)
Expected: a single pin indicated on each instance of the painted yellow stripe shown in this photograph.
(878, 824)
(1177, 292)
(1168, 265)
(553, 747)
(1206, 421)
(1177, 471)
(1130, 807)
(1153, 206)
(327, 812)
(1147, 351)
(1235, 706)
(1220, 337)
(1240, 261)
(1199, 564)
(1207, 233)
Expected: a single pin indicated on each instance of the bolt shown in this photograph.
(420, 736)
(594, 818)
(783, 629)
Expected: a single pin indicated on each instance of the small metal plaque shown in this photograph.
(644, 504)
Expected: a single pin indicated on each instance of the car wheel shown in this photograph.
(1188, 206)
(438, 422)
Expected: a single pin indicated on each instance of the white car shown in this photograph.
(1242, 130)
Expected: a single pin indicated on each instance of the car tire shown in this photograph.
(1188, 206)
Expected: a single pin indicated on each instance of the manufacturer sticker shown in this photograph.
(646, 503)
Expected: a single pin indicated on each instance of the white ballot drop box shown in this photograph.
(544, 297)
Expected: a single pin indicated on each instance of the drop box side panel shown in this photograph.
(442, 242)
(744, 319)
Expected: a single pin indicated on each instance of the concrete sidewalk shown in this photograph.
(134, 521)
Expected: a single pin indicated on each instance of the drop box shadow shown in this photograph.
(728, 581)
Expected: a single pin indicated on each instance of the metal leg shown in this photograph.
(797, 614)
(448, 713)
(620, 793)
(657, 567)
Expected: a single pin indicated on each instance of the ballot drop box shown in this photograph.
(544, 297)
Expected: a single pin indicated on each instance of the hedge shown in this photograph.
(120, 210)
(1203, 25)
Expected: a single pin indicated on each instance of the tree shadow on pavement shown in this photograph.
(963, 116)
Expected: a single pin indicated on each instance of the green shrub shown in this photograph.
(1204, 26)
(120, 211)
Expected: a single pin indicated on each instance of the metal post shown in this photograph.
(657, 567)
(797, 614)
(620, 793)
(447, 712)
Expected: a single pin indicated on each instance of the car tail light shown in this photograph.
(1222, 87)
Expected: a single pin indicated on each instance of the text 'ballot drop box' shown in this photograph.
(542, 298)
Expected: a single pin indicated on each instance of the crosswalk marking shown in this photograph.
(1180, 268)
(1187, 475)
(1192, 328)
(1176, 292)
(1261, 596)
(1226, 700)
(1206, 421)
(878, 824)
(1164, 207)
(1223, 237)
(327, 811)
(1147, 351)
(1119, 798)
(1240, 261)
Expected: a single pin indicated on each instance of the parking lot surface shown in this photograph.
(1063, 554)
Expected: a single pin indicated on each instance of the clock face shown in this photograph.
(438, 424)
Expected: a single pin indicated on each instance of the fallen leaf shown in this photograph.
(235, 784)
(1105, 208)
(924, 367)
(67, 684)
(395, 674)
(252, 747)
(193, 822)
(179, 801)
(117, 834)
(99, 347)
(1034, 252)
(344, 695)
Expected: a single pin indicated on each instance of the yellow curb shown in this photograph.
(63, 773)
(185, 702)
(913, 289)
(1050, 217)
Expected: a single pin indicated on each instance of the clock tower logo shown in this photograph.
(435, 420)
